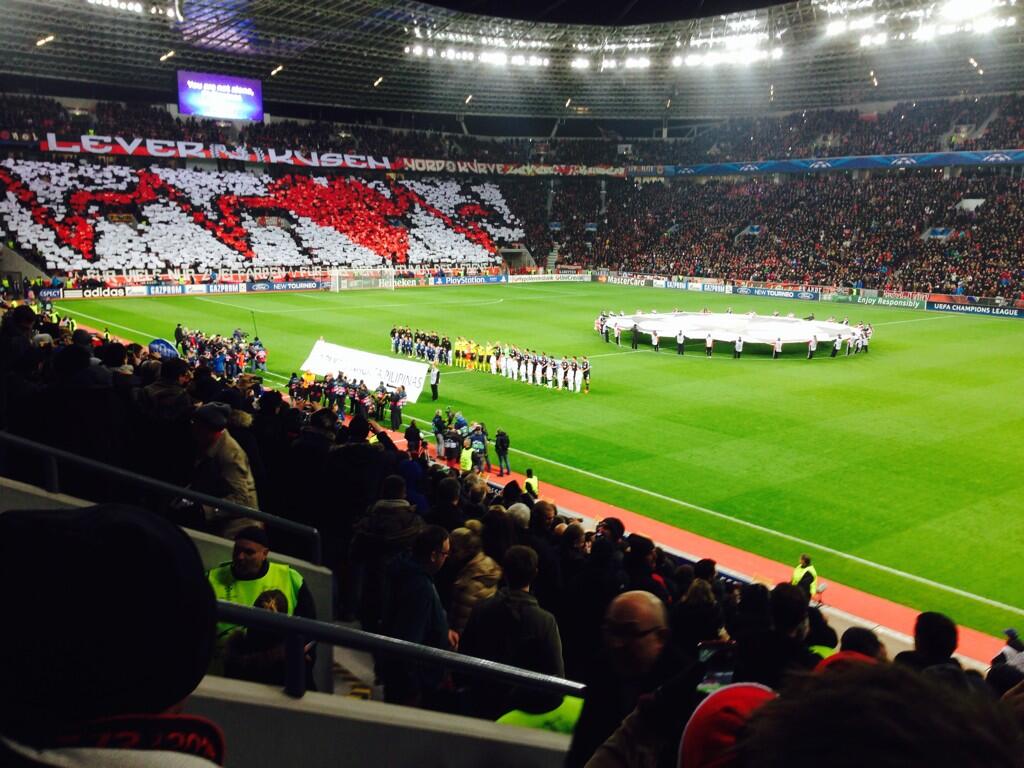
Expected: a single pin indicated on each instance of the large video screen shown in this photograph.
(220, 96)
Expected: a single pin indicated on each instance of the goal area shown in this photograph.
(356, 279)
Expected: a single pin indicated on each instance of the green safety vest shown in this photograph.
(823, 651)
(532, 482)
(562, 719)
(466, 459)
(244, 592)
(798, 574)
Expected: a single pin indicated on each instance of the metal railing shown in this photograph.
(299, 631)
(51, 482)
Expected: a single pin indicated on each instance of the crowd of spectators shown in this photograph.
(984, 122)
(184, 218)
(823, 230)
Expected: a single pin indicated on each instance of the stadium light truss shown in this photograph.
(801, 54)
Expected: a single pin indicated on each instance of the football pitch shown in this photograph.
(901, 471)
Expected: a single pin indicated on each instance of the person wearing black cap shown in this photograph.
(250, 574)
(101, 696)
(221, 468)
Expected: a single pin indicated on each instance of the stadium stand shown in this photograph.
(186, 218)
(909, 231)
(828, 230)
(420, 552)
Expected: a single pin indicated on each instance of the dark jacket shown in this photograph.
(358, 468)
(609, 700)
(389, 528)
(413, 612)
(768, 657)
(501, 443)
(511, 628)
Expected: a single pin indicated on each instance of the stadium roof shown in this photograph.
(405, 55)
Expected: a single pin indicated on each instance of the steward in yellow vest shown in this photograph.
(805, 576)
(250, 575)
(561, 719)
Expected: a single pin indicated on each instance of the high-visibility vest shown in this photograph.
(532, 484)
(562, 719)
(798, 574)
(246, 591)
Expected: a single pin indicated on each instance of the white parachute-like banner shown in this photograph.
(751, 327)
(327, 358)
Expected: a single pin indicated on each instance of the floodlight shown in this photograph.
(496, 58)
(963, 10)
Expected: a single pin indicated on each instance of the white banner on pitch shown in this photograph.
(327, 358)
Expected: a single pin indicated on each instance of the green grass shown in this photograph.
(909, 457)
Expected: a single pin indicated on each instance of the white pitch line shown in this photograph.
(106, 323)
(915, 320)
(788, 537)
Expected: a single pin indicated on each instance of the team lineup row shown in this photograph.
(529, 366)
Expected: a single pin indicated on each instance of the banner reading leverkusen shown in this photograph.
(327, 358)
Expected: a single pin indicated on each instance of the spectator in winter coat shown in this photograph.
(476, 581)
(696, 618)
(511, 628)
(639, 564)
(387, 531)
(413, 612)
(222, 468)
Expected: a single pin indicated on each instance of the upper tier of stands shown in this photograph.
(986, 122)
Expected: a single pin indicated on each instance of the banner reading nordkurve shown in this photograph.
(327, 358)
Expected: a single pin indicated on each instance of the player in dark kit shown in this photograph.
(585, 366)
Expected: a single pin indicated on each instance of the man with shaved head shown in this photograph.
(637, 658)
